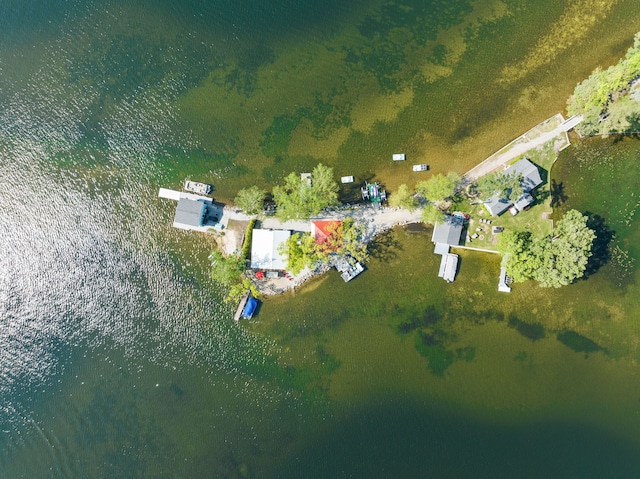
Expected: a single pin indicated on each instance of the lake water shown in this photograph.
(118, 357)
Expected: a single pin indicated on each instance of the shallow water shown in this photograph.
(117, 356)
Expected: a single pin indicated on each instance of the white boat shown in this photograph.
(347, 179)
(421, 167)
(198, 188)
(399, 157)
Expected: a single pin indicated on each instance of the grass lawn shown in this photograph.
(532, 219)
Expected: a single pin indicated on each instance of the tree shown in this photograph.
(565, 255)
(251, 200)
(504, 185)
(353, 239)
(299, 199)
(439, 187)
(431, 214)
(521, 261)
(403, 198)
(300, 252)
(553, 261)
(237, 291)
(226, 270)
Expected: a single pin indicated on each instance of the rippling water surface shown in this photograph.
(118, 357)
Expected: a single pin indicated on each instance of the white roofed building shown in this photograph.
(264, 249)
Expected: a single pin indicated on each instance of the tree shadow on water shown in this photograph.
(558, 196)
(600, 251)
(384, 247)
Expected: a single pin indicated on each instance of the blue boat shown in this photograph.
(249, 308)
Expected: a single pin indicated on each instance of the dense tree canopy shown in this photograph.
(431, 214)
(593, 97)
(403, 198)
(251, 200)
(439, 187)
(504, 185)
(553, 261)
(226, 270)
(300, 252)
(301, 199)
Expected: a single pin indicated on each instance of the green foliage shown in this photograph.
(353, 239)
(299, 200)
(237, 291)
(300, 252)
(251, 200)
(404, 198)
(521, 262)
(552, 261)
(226, 270)
(248, 236)
(439, 187)
(592, 97)
(431, 214)
(566, 255)
(504, 185)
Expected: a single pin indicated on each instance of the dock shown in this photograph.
(448, 267)
(241, 306)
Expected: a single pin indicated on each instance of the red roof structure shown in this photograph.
(321, 230)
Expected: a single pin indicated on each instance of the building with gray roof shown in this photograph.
(531, 179)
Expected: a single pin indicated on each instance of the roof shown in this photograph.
(530, 174)
(496, 205)
(448, 267)
(448, 232)
(264, 249)
(530, 180)
(322, 229)
(189, 213)
(524, 201)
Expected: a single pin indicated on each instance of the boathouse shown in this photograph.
(264, 249)
(448, 232)
(531, 179)
(190, 214)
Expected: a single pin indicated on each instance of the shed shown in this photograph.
(264, 249)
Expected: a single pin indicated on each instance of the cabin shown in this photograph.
(264, 249)
(531, 179)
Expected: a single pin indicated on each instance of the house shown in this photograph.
(195, 212)
(531, 179)
(449, 232)
(264, 249)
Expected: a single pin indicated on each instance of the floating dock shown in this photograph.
(243, 303)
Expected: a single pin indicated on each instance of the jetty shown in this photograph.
(243, 303)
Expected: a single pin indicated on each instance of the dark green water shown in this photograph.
(117, 357)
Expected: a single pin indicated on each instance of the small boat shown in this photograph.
(199, 188)
(347, 179)
(421, 167)
(250, 308)
(399, 157)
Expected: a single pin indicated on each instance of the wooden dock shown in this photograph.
(241, 306)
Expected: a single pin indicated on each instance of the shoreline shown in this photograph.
(378, 219)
